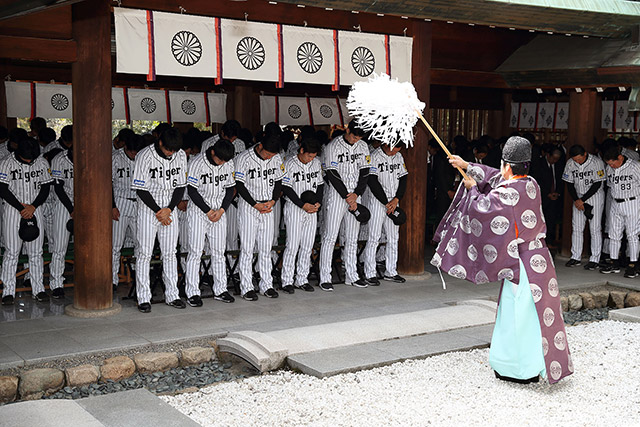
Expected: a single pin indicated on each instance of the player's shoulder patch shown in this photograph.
(373, 169)
(404, 166)
(192, 180)
(600, 173)
(3, 175)
(286, 180)
(56, 173)
(367, 158)
(334, 163)
(565, 176)
(238, 174)
(138, 182)
(282, 167)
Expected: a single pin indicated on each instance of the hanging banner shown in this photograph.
(54, 101)
(528, 115)
(325, 111)
(546, 114)
(624, 120)
(132, 41)
(562, 116)
(217, 107)
(18, 96)
(346, 117)
(249, 50)
(400, 54)
(185, 45)
(118, 106)
(607, 115)
(514, 118)
(267, 109)
(187, 107)
(308, 55)
(361, 55)
(148, 104)
(293, 111)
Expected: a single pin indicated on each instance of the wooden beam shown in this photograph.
(444, 77)
(91, 75)
(412, 234)
(37, 49)
(11, 9)
(49, 24)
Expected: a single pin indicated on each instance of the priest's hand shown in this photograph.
(469, 182)
(458, 162)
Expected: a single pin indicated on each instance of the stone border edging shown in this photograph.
(600, 299)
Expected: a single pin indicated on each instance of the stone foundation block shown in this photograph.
(154, 362)
(40, 382)
(117, 368)
(82, 375)
(195, 356)
(8, 389)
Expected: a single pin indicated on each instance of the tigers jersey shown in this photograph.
(121, 174)
(388, 169)
(302, 177)
(347, 160)
(624, 182)
(238, 144)
(24, 179)
(582, 176)
(4, 150)
(53, 145)
(210, 180)
(62, 172)
(258, 176)
(159, 175)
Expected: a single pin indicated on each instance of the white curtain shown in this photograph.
(132, 47)
(361, 55)
(54, 101)
(18, 99)
(249, 50)
(148, 104)
(309, 55)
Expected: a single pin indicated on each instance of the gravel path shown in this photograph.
(449, 390)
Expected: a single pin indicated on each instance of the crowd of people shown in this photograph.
(197, 194)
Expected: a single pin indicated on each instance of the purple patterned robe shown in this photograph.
(486, 230)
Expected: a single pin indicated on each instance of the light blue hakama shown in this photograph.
(516, 346)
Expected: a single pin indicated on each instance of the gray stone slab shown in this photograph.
(631, 314)
(49, 413)
(38, 346)
(134, 408)
(9, 358)
(104, 337)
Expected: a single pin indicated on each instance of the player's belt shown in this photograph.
(131, 199)
(624, 200)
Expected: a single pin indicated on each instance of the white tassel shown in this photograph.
(386, 108)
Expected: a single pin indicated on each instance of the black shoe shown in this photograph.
(631, 271)
(250, 296)
(573, 263)
(360, 283)
(288, 289)
(145, 307)
(328, 287)
(224, 297)
(195, 301)
(614, 267)
(271, 293)
(7, 300)
(306, 287)
(177, 303)
(591, 266)
(41, 297)
(373, 281)
(397, 279)
(518, 380)
(58, 293)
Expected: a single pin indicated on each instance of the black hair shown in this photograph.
(37, 123)
(322, 136)
(149, 139)
(519, 168)
(125, 133)
(47, 135)
(188, 141)
(271, 128)
(611, 153)
(135, 143)
(67, 133)
(337, 132)
(28, 149)
(224, 149)
(230, 128)
(246, 136)
(171, 139)
(16, 135)
(4, 133)
(271, 143)
(482, 148)
(354, 129)
(161, 128)
(529, 137)
(311, 145)
(576, 150)
(307, 131)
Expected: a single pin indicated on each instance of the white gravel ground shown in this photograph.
(452, 389)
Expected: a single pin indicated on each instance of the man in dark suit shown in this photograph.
(548, 172)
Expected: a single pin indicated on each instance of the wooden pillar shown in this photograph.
(499, 119)
(584, 128)
(412, 239)
(91, 77)
(243, 106)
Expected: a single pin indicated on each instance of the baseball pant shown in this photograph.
(301, 232)
(606, 245)
(183, 238)
(624, 217)
(578, 221)
(148, 228)
(12, 245)
(256, 230)
(336, 213)
(126, 223)
(200, 228)
(232, 230)
(378, 220)
(60, 245)
(48, 210)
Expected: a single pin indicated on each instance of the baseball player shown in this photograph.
(64, 142)
(303, 173)
(124, 209)
(62, 173)
(584, 175)
(623, 180)
(159, 178)
(211, 189)
(24, 186)
(346, 163)
(259, 172)
(388, 183)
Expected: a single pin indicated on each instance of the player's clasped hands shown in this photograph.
(392, 205)
(215, 215)
(579, 204)
(27, 212)
(265, 207)
(309, 208)
(164, 216)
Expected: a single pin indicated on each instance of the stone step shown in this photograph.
(353, 358)
(631, 314)
(252, 353)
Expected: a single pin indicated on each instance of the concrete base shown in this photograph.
(70, 310)
(631, 314)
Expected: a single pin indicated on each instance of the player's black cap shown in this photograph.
(361, 213)
(398, 216)
(309, 197)
(588, 211)
(28, 230)
(70, 225)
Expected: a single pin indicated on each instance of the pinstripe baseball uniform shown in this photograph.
(160, 176)
(62, 173)
(256, 229)
(24, 182)
(583, 176)
(125, 198)
(211, 181)
(624, 185)
(300, 225)
(388, 170)
(347, 160)
(630, 154)
(53, 145)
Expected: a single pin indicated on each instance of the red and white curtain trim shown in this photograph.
(55, 101)
(158, 43)
(301, 111)
(617, 117)
(539, 115)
